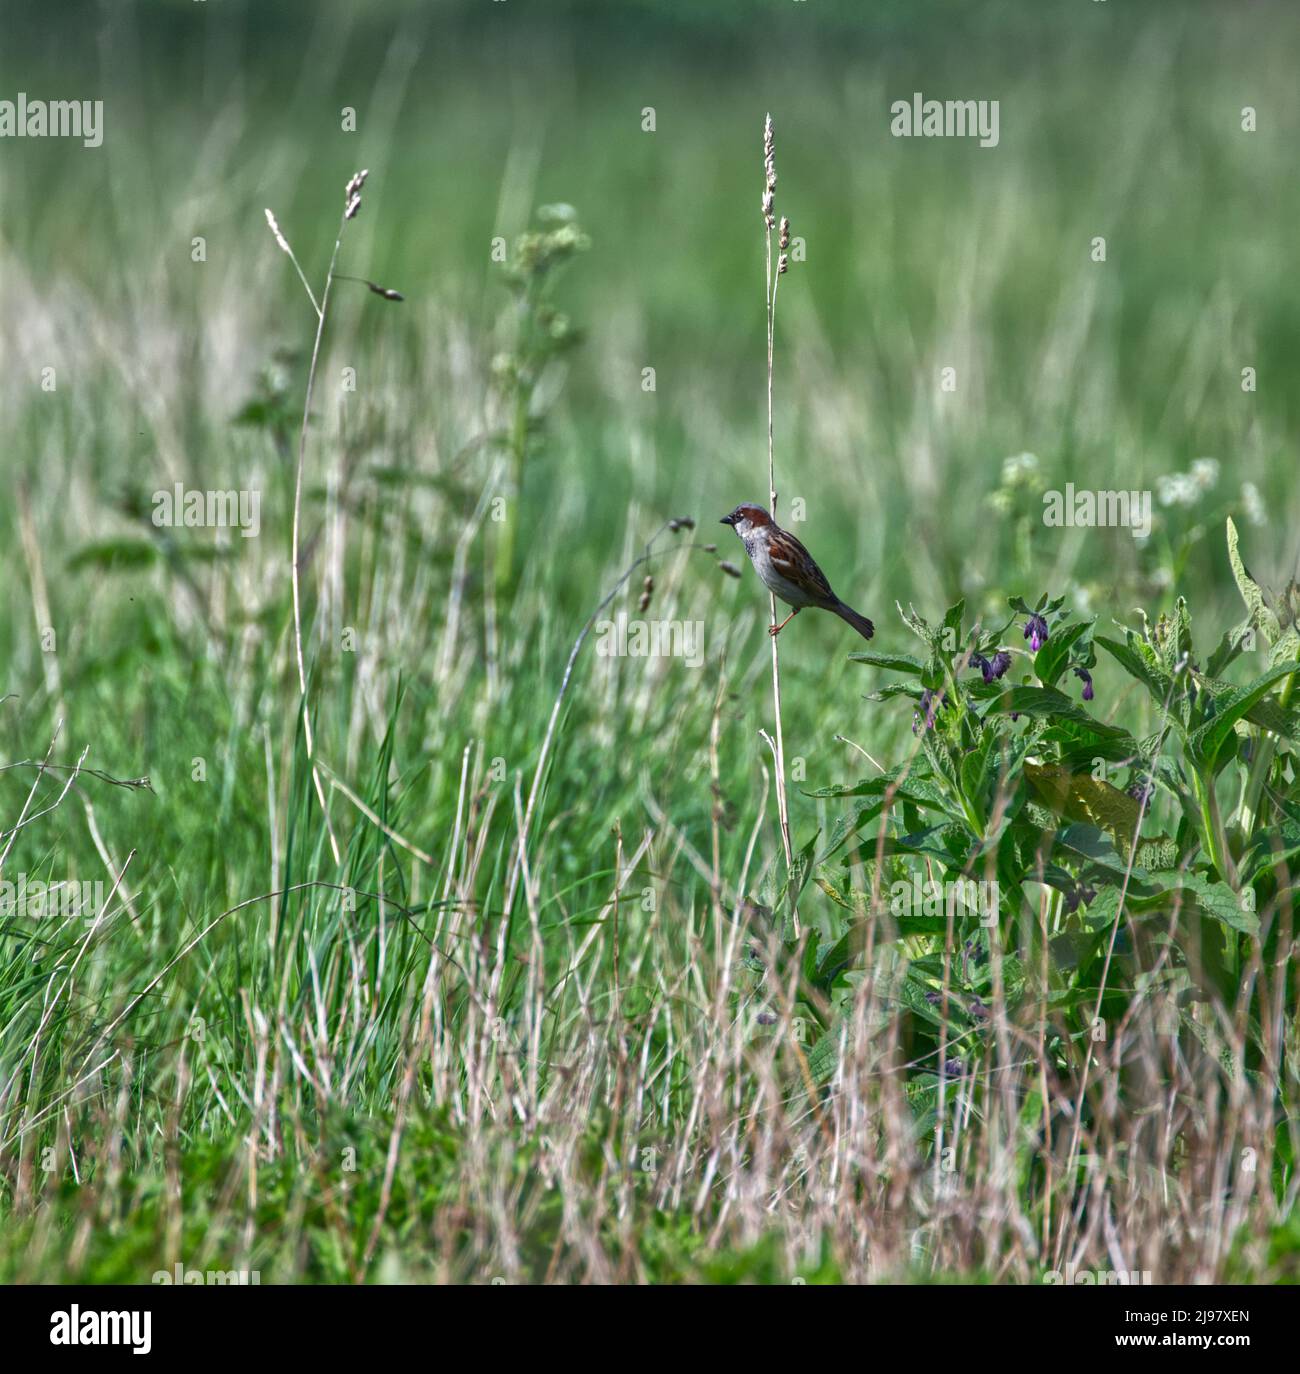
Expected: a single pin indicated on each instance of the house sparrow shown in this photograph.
(787, 568)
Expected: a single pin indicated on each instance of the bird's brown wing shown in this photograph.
(794, 562)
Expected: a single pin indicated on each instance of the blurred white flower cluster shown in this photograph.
(1187, 488)
(1252, 503)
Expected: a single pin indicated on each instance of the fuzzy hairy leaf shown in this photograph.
(1262, 615)
(1047, 703)
(1082, 797)
(1208, 740)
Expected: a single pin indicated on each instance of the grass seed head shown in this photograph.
(769, 172)
(352, 193)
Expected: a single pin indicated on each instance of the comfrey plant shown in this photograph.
(539, 335)
(1080, 884)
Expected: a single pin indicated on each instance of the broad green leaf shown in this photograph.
(1139, 662)
(834, 893)
(1046, 703)
(1217, 900)
(894, 689)
(1268, 712)
(1287, 648)
(824, 1055)
(1082, 797)
(1161, 851)
(1229, 647)
(1103, 908)
(1262, 615)
(1206, 741)
(1052, 659)
(918, 789)
(952, 620)
(115, 553)
(900, 663)
(800, 868)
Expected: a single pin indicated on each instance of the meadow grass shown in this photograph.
(447, 1055)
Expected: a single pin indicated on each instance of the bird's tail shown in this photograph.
(859, 622)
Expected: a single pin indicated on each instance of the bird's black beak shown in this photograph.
(728, 519)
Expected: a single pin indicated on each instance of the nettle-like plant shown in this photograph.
(539, 335)
(1030, 850)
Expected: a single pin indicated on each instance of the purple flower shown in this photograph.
(1036, 631)
(930, 703)
(1087, 682)
(1142, 791)
(991, 668)
(1081, 892)
(976, 952)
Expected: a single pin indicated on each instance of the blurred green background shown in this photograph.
(1121, 121)
(1117, 120)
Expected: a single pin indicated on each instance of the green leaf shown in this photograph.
(1174, 637)
(839, 898)
(900, 663)
(1261, 614)
(1051, 660)
(1160, 851)
(1287, 648)
(1268, 712)
(912, 995)
(839, 956)
(894, 689)
(1229, 647)
(824, 1055)
(952, 620)
(1271, 849)
(1103, 908)
(120, 554)
(800, 868)
(1082, 797)
(916, 788)
(1138, 661)
(1047, 703)
(918, 624)
(1207, 741)
(1216, 900)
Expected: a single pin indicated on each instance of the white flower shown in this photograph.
(1179, 490)
(1018, 469)
(1205, 472)
(1253, 503)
